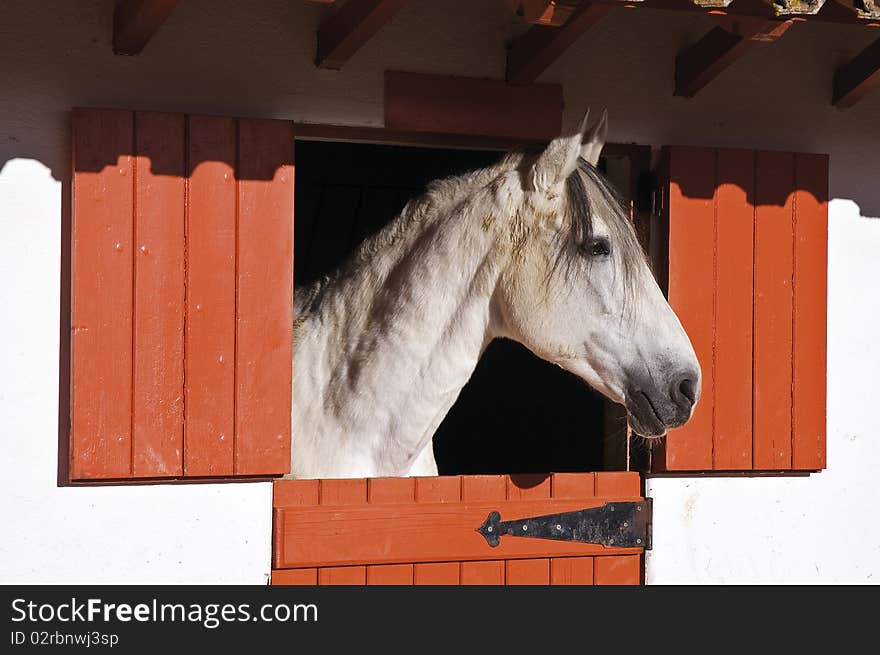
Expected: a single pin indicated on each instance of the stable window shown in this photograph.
(518, 413)
(182, 267)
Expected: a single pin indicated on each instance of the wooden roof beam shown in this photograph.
(344, 32)
(530, 54)
(857, 78)
(703, 61)
(136, 21)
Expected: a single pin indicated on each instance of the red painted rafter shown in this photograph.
(341, 34)
(703, 61)
(530, 54)
(136, 21)
(855, 79)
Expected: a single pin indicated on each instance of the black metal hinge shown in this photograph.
(618, 524)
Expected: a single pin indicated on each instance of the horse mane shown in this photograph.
(440, 196)
(587, 191)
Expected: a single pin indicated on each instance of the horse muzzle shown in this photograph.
(652, 410)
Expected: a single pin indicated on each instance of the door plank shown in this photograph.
(774, 265)
(810, 312)
(572, 570)
(734, 202)
(264, 297)
(102, 298)
(157, 411)
(445, 489)
(210, 297)
(617, 569)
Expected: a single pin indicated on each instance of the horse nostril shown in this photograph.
(688, 389)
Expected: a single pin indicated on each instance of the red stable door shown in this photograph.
(425, 531)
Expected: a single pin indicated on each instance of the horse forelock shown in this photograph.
(588, 192)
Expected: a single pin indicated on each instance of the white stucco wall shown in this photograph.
(254, 59)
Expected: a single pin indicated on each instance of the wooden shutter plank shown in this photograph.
(295, 577)
(342, 492)
(264, 325)
(158, 295)
(573, 485)
(489, 572)
(210, 301)
(442, 489)
(528, 571)
(774, 265)
(618, 569)
(346, 491)
(810, 311)
(618, 484)
(296, 492)
(572, 570)
(391, 490)
(342, 575)
(390, 574)
(102, 263)
(291, 493)
(691, 292)
(483, 488)
(735, 214)
(437, 573)
(445, 489)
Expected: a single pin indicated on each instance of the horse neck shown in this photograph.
(395, 337)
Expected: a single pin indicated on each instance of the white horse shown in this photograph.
(536, 249)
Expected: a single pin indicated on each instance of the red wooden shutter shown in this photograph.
(182, 275)
(747, 267)
(423, 531)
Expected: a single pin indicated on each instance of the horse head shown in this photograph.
(579, 293)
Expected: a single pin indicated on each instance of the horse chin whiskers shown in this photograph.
(643, 443)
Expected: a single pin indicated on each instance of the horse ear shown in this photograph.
(594, 140)
(559, 159)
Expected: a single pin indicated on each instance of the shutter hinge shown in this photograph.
(616, 524)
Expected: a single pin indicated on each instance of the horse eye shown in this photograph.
(598, 248)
